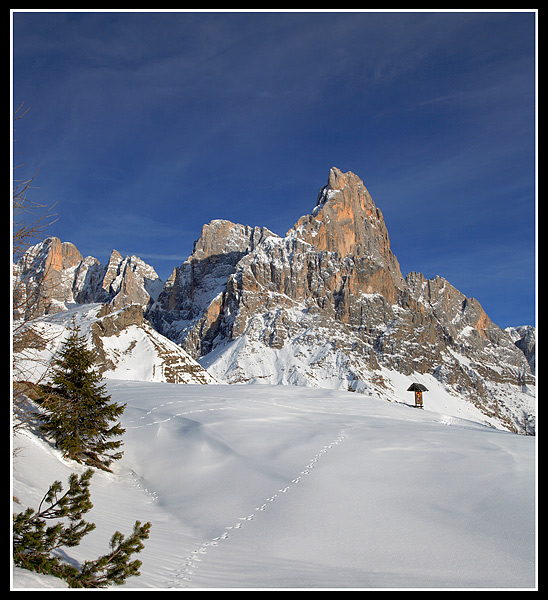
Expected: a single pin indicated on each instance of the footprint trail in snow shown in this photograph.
(191, 562)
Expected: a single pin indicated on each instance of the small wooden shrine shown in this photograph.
(418, 388)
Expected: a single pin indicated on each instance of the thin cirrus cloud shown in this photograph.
(146, 125)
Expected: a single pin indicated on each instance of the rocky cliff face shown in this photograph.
(524, 337)
(53, 274)
(327, 305)
(189, 308)
(43, 277)
(54, 284)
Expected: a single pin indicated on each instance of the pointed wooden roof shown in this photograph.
(417, 387)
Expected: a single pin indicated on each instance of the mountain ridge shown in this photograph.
(324, 305)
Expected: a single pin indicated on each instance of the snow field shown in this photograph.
(275, 487)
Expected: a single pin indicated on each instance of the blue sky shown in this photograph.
(143, 126)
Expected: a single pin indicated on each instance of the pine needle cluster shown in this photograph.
(35, 543)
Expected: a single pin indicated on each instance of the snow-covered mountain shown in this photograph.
(53, 275)
(56, 286)
(325, 306)
(297, 482)
(127, 346)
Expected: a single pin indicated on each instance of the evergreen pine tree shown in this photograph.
(115, 567)
(34, 543)
(78, 409)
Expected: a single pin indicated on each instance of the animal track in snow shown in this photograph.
(184, 574)
(134, 423)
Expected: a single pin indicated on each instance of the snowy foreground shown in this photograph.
(288, 487)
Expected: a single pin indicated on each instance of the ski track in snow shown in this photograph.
(183, 576)
(131, 424)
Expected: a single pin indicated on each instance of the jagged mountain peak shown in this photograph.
(337, 180)
(52, 275)
(54, 284)
(346, 222)
(324, 305)
(221, 237)
(327, 305)
(346, 195)
(50, 255)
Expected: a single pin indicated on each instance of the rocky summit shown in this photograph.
(52, 274)
(326, 305)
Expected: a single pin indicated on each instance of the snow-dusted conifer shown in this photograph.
(79, 413)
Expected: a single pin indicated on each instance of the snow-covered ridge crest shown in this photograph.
(127, 346)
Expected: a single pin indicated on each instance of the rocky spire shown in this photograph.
(346, 221)
(52, 274)
(40, 284)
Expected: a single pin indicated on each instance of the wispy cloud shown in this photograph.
(147, 125)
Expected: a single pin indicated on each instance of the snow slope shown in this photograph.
(318, 365)
(136, 351)
(259, 486)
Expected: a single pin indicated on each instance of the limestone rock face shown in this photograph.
(43, 277)
(128, 281)
(327, 305)
(53, 274)
(524, 337)
(190, 307)
(347, 222)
